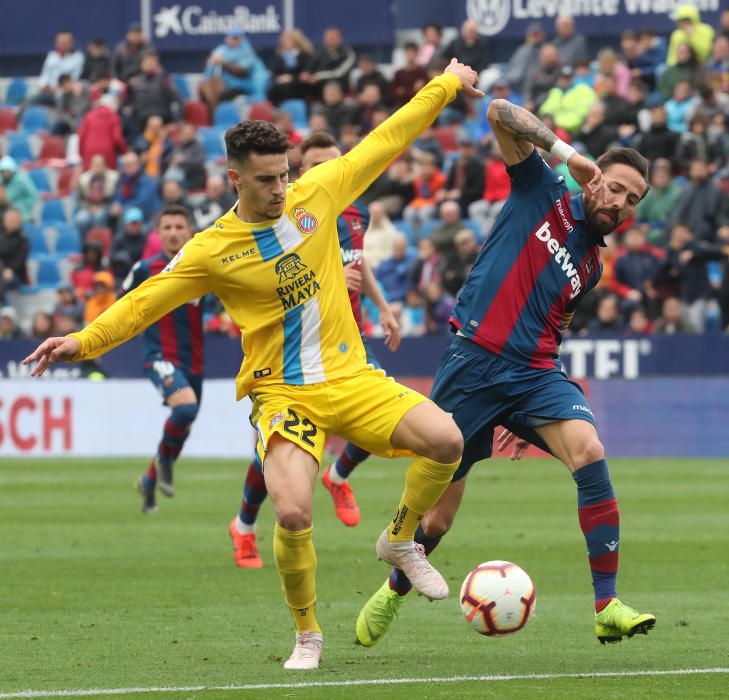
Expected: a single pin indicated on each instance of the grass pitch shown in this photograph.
(96, 596)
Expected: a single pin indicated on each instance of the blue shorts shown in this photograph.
(483, 390)
(169, 378)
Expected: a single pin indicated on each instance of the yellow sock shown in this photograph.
(425, 482)
(296, 563)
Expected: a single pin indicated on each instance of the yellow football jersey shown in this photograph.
(281, 281)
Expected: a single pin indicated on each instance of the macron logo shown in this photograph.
(612, 546)
(561, 256)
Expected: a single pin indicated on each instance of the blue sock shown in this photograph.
(254, 492)
(349, 459)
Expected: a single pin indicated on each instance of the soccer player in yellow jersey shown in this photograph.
(275, 264)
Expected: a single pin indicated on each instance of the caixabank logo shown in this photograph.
(193, 20)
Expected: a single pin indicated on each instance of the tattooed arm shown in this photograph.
(517, 130)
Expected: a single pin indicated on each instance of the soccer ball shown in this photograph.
(498, 598)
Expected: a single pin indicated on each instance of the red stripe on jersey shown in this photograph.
(194, 315)
(168, 339)
(503, 313)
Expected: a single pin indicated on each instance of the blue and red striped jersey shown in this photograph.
(533, 270)
(351, 226)
(176, 337)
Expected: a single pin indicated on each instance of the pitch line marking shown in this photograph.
(90, 692)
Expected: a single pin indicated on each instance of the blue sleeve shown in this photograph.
(137, 275)
(531, 174)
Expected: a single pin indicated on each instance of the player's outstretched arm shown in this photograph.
(50, 351)
(345, 178)
(517, 130)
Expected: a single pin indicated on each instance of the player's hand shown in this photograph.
(51, 351)
(519, 446)
(467, 76)
(353, 277)
(391, 328)
(587, 175)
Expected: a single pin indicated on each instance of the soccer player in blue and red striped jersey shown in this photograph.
(502, 368)
(352, 223)
(173, 358)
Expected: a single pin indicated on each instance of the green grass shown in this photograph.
(95, 595)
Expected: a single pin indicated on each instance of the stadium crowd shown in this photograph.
(106, 138)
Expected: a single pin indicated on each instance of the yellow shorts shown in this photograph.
(364, 409)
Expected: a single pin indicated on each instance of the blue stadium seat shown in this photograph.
(49, 275)
(179, 80)
(68, 239)
(226, 114)
(428, 227)
(40, 179)
(473, 225)
(17, 91)
(53, 211)
(37, 238)
(35, 118)
(19, 146)
(212, 138)
(406, 228)
(298, 111)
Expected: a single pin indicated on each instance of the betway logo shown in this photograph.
(561, 256)
(193, 21)
(350, 256)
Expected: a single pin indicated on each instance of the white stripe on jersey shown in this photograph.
(287, 234)
(311, 363)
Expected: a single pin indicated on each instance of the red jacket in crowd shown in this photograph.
(101, 132)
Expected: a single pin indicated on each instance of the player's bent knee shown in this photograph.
(446, 443)
(293, 517)
(185, 413)
(588, 452)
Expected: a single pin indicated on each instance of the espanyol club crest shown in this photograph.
(276, 418)
(305, 221)
(588, 266)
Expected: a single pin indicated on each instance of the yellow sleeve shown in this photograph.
(185, 278)
(345, 178)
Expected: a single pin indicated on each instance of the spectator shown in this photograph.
(14, 249)
(639, 323)
(432, 46)
(714, 104)
(82, 278)
(9, 328)
(97, 61)
(687, 68)
(595, 133)
(427, 266)
(334, 61)
(126, 60)
(229, 69)
(428, 142)
(444, 234)
(470, 47)
(135, 189)
(568, 103)
(394, 273)
(408, 79)
(412, 315)
(64, 59)
(67, 303)
(525, 57)
(501, 89)
(131, 240)
(369, 101)
(542, 76)
(218, 200)
(370, 75)
(672, 318)
(42, 326)
(337, 109)
(694, 144)
(497, 186)
(718, 64)
(722, 182)
(572, 45)
(173, 193)
(379, 240)
(658, 141)
(154, 146)
(654, 209)
(610, 66)
(457, 266)
(680, 107)
(465, 177)
(698, 205)
(723, 245)
(616, 107)
(100, 132)
(72, 103)
(106, 85)
(692, 31)
(188, 157)
(102, 296)
(17, 189)
(95, 193)
(641, 63)
(428, 181)
(293, 54)
(635, 266)
(394, 188)
(438, 308)
(65, 324)
(607, 318)
(151, 92)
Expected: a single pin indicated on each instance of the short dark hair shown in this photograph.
(176, 210)
(624, 156)
(319, 139)
(254, 136)
(411, 46)
(433, 25)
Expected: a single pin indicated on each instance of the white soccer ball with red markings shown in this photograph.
(498, 598)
